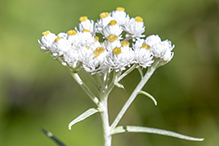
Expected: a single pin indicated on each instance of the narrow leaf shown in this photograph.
(83, 116)
(140, 72)
(122, 129)
(126, 72)
(148, 95)
(119, 85)
(50, 135)
(85, 88)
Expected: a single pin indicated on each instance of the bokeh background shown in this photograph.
(36, 91)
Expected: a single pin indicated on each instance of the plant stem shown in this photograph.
(85, 88)
(141, 84)
(126, 73)
(105, 121)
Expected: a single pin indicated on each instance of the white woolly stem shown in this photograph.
(126, 72)
(105, 121)
(141, 84)
(85, 88)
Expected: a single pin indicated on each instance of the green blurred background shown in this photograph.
(36, 91)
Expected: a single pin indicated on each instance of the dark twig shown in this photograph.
(50, 135)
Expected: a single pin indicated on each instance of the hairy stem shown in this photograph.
(126, 73)
(141, 84)
(105, 121)
(85, 88)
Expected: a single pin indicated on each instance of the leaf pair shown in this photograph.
(122, 129)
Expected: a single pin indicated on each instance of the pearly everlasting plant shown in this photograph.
(107, 51)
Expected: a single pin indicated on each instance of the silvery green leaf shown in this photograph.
(119, 85)
(83, 116)
(50, 135)
(126, 72)
(140, 72)
(122, 129)
(148, 95)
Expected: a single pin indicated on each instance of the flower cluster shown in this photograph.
(112, 44)
(122, 44)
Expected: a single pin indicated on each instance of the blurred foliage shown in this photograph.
(36, 91)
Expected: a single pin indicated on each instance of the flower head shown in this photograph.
(119, 58)
(134, 27)
(87, 24)
(104, 20)
(143, 54)
(116, 50)
(160, 49)
(112, 28)
(120, 16)
(46, 40)
(59, 46)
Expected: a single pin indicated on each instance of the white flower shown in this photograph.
(138, 44)
(120, 16)
(112, 28)
(143, 54)
(85, 38)
(94, 60)
(163, 50)
(59, 46)
(104, 20)
(127, 52)
(134, 27)
(120, 57)
(62, 35)
(46, 40)
(160, 49)
(84, 52)
(152, 39)
(111, 42)
(96, 42)
(73, 38)
(85, 23)
(71, 58)
(168, 56)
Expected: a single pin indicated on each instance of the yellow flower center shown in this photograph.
(112, 38)
(96, 54)
(104, 15)
(138, 19)
(57, 39)
(98, 51)
(72, 32)
(96, 38)
(46, 33)
(117, 50)
(147, 47)
(120, 9)
(88, 47)
(83, 18)
(85, 30)
(124, 43)
(112, 22)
